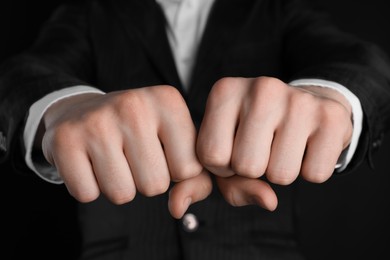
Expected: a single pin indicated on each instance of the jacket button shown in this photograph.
(190, 222)
(376, 143)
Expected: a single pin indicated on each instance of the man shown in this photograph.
(140, 135)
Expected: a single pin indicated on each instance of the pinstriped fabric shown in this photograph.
(153, 231)
(226, 232)
(142, 229)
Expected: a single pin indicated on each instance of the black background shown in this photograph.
(345, 218)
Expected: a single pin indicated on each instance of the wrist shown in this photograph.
(56, 111)
(62, 107)
(327, 93)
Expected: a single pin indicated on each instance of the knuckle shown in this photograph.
(168, 91)
(302, 107)
(246, 168)
(267, 94)
(122, 196)
(84, 196)
(157, 188)
(316, 176)
(281, 176)
(129, 105)
(173, 101)
(333, 113)
(62, 136)
(265, 81)
(231, 198)
(224, 87)
(266, 84)
(169, 96)
(97, 125)
(213, 158)
(132, 109)
(188, 170)
(336, 121)
(302, 102)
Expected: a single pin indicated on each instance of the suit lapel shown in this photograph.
(146, 20)
(226, 19)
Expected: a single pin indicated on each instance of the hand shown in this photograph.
(237, 190)
(121, 142)
(260, 126)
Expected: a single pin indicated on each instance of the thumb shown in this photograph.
(187, 192)
(241, 191)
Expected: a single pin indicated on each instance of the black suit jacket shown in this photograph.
(122, 44)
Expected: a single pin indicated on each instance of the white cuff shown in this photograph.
(47, 172)
(357, 115)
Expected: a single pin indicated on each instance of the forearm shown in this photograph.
(59, 58)
(315, 49)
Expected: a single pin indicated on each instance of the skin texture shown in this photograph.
(140, 140)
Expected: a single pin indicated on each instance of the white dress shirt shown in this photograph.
(186, 20)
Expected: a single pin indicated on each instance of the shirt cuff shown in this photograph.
(45, 170)
(357, 116)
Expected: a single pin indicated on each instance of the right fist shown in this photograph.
(121, 142)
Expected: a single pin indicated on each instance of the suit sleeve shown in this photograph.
(60, 57)
(314, 48)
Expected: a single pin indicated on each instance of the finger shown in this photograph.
(147, 161)
(325, 145)
(241, 191)
(112, 171)
(178, 136)
(323, 151)
(76, 171)
(187, 192)
(252, 144)
(216, 134)
(287, 151)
